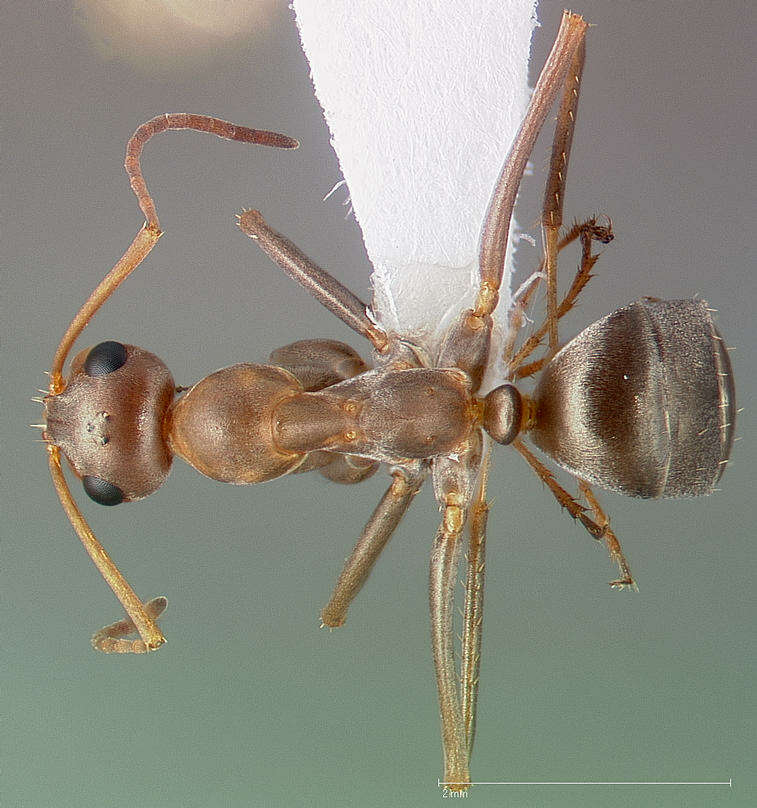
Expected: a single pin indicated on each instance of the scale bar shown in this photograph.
(728, 783)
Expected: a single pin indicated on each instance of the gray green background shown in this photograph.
(249, 703)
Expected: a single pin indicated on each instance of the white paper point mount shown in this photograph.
(423, 99)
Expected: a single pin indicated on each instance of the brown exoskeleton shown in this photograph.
(641, 403)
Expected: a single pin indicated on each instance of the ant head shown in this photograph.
(108, 421)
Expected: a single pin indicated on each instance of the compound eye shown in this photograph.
(105, 358)
(101, 491)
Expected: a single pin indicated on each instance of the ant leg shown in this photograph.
(442, 579)
(348, 469)
(496, 227)
(459, 485)
(374, 538)
(610, 539)
(473, 610)
(554, 191)
(552, 217)
(517, 312)
(530, 369)
(109, 639)
(319, 363)
(326, 289)
(138, 614)
(600, 530)
(467, 341)
(587, 232)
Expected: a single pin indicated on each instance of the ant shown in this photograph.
(641, 402)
